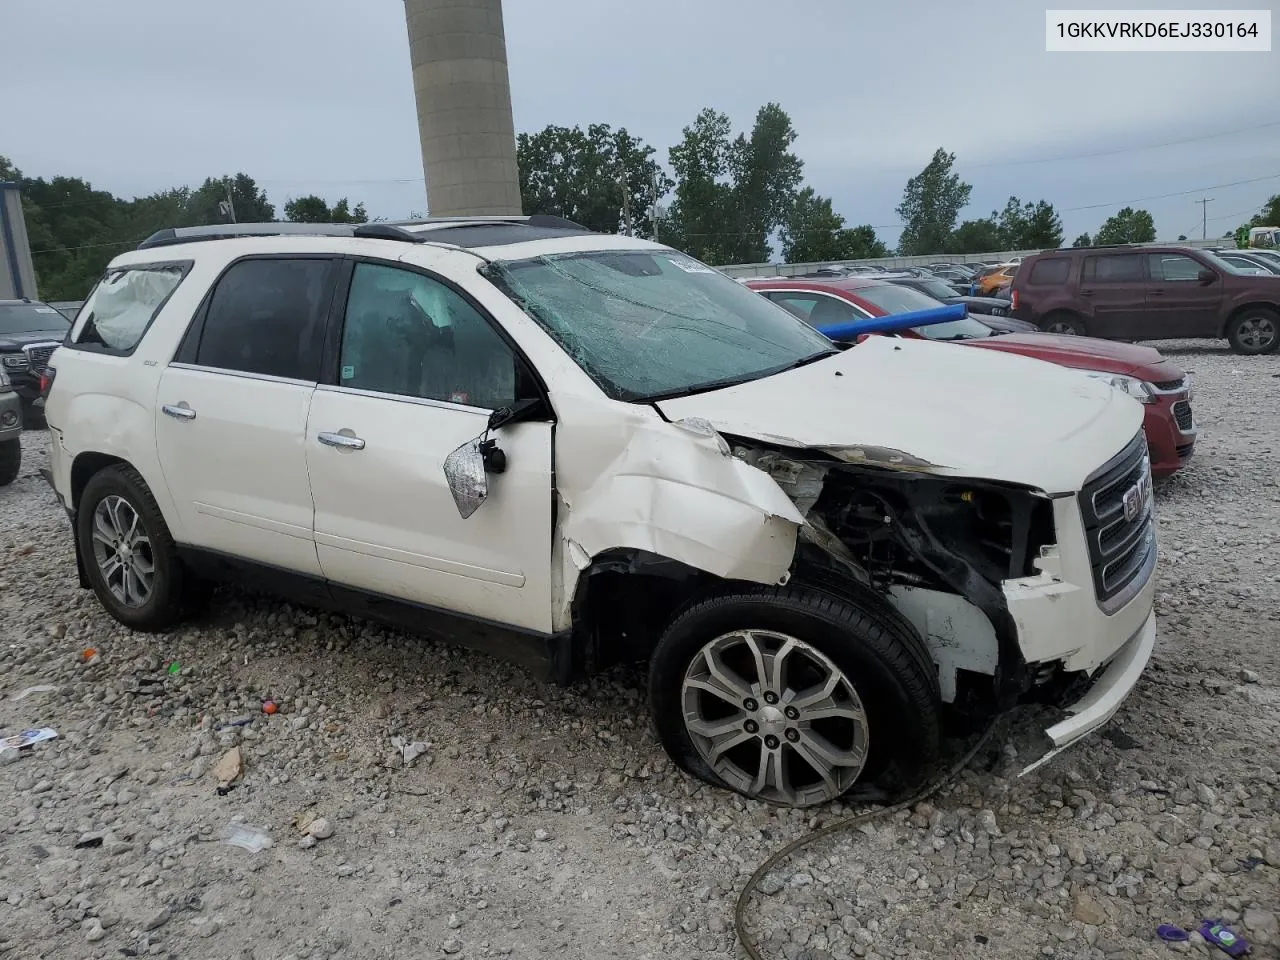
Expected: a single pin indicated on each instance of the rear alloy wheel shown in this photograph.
(1254, 331)
(129, 553)
(793, 695)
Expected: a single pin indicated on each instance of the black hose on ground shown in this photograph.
(848, 823)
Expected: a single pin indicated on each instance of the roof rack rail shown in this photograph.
(406, 231)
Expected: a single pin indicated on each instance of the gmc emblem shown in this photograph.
(1132, 502)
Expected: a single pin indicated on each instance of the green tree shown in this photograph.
(250, 203)
(313, 209)
(592, 177)
(699, 220)
(766, 175)
(1126, 226)
(813, 231)
(930, 205)
(1269, 215)
(1030, 226)
(976, 236)
(1182, 236)
(1084, 240)
(732, 194)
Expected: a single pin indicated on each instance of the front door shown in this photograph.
(1179, 303)
(420, 369)
(231, 412)
(1113, 294)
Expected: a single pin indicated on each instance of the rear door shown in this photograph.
(418, 369)
(1113, 293)
(1179, 303)
(231, 411)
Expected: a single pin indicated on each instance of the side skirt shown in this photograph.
(548, 657)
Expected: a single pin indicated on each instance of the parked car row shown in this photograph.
(574, 449)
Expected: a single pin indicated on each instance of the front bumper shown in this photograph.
(1107, 692)
(1171, 432)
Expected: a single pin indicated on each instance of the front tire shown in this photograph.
(129, 553)
(10, 461)
(792, 695)
(1254, 331)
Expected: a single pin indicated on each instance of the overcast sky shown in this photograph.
(315, 96)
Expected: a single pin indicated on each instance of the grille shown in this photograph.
(1169, 385)
(38, 356)
(1117, 507)
(1185, 450)
(1182, 414)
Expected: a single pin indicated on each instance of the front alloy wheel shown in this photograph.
(775, 718)
(1254, 333)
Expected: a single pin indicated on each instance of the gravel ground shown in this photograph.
(540, 822)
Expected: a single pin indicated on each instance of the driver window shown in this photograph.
(412, 336)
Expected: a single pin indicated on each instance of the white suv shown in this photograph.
(570, 449)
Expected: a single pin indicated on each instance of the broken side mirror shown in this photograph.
(464, 470)
(518, 411)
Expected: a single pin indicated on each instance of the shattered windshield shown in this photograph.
(650, 324)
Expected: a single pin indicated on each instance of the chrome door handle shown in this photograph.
(181, 411)
(341, 440)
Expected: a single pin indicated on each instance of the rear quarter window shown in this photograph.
(123, 304)
(1051, 271)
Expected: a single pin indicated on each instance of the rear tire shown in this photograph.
(855, 686)
(1063, 324)
(129, 554)
(10, 461)
(1254, 331)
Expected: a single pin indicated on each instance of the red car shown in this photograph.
(1139, 371)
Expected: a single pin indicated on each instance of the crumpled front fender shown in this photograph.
(657, 487)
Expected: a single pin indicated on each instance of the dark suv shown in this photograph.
(1148, 293)
(29, 333)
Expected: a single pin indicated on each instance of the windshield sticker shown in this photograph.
(688, 265)
(348, 371)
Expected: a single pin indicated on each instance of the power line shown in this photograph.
(1165, 196)
(1119, 150)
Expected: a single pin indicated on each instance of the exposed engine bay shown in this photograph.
(935, 546)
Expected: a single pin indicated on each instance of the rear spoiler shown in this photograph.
(852, 329)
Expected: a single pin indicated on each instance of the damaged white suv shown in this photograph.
(572, 449)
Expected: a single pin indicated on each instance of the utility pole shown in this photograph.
(653, 210)
(626, 203)
(1204, 217)
(227, 207)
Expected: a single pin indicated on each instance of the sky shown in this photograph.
(316, 96)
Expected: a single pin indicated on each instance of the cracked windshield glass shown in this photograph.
(648, 325)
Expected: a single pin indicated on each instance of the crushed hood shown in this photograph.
(983, 414)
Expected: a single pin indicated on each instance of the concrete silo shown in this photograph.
(458, 50)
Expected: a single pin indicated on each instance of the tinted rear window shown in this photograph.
(1053, 270)
(1121, 268)
(267, 317)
